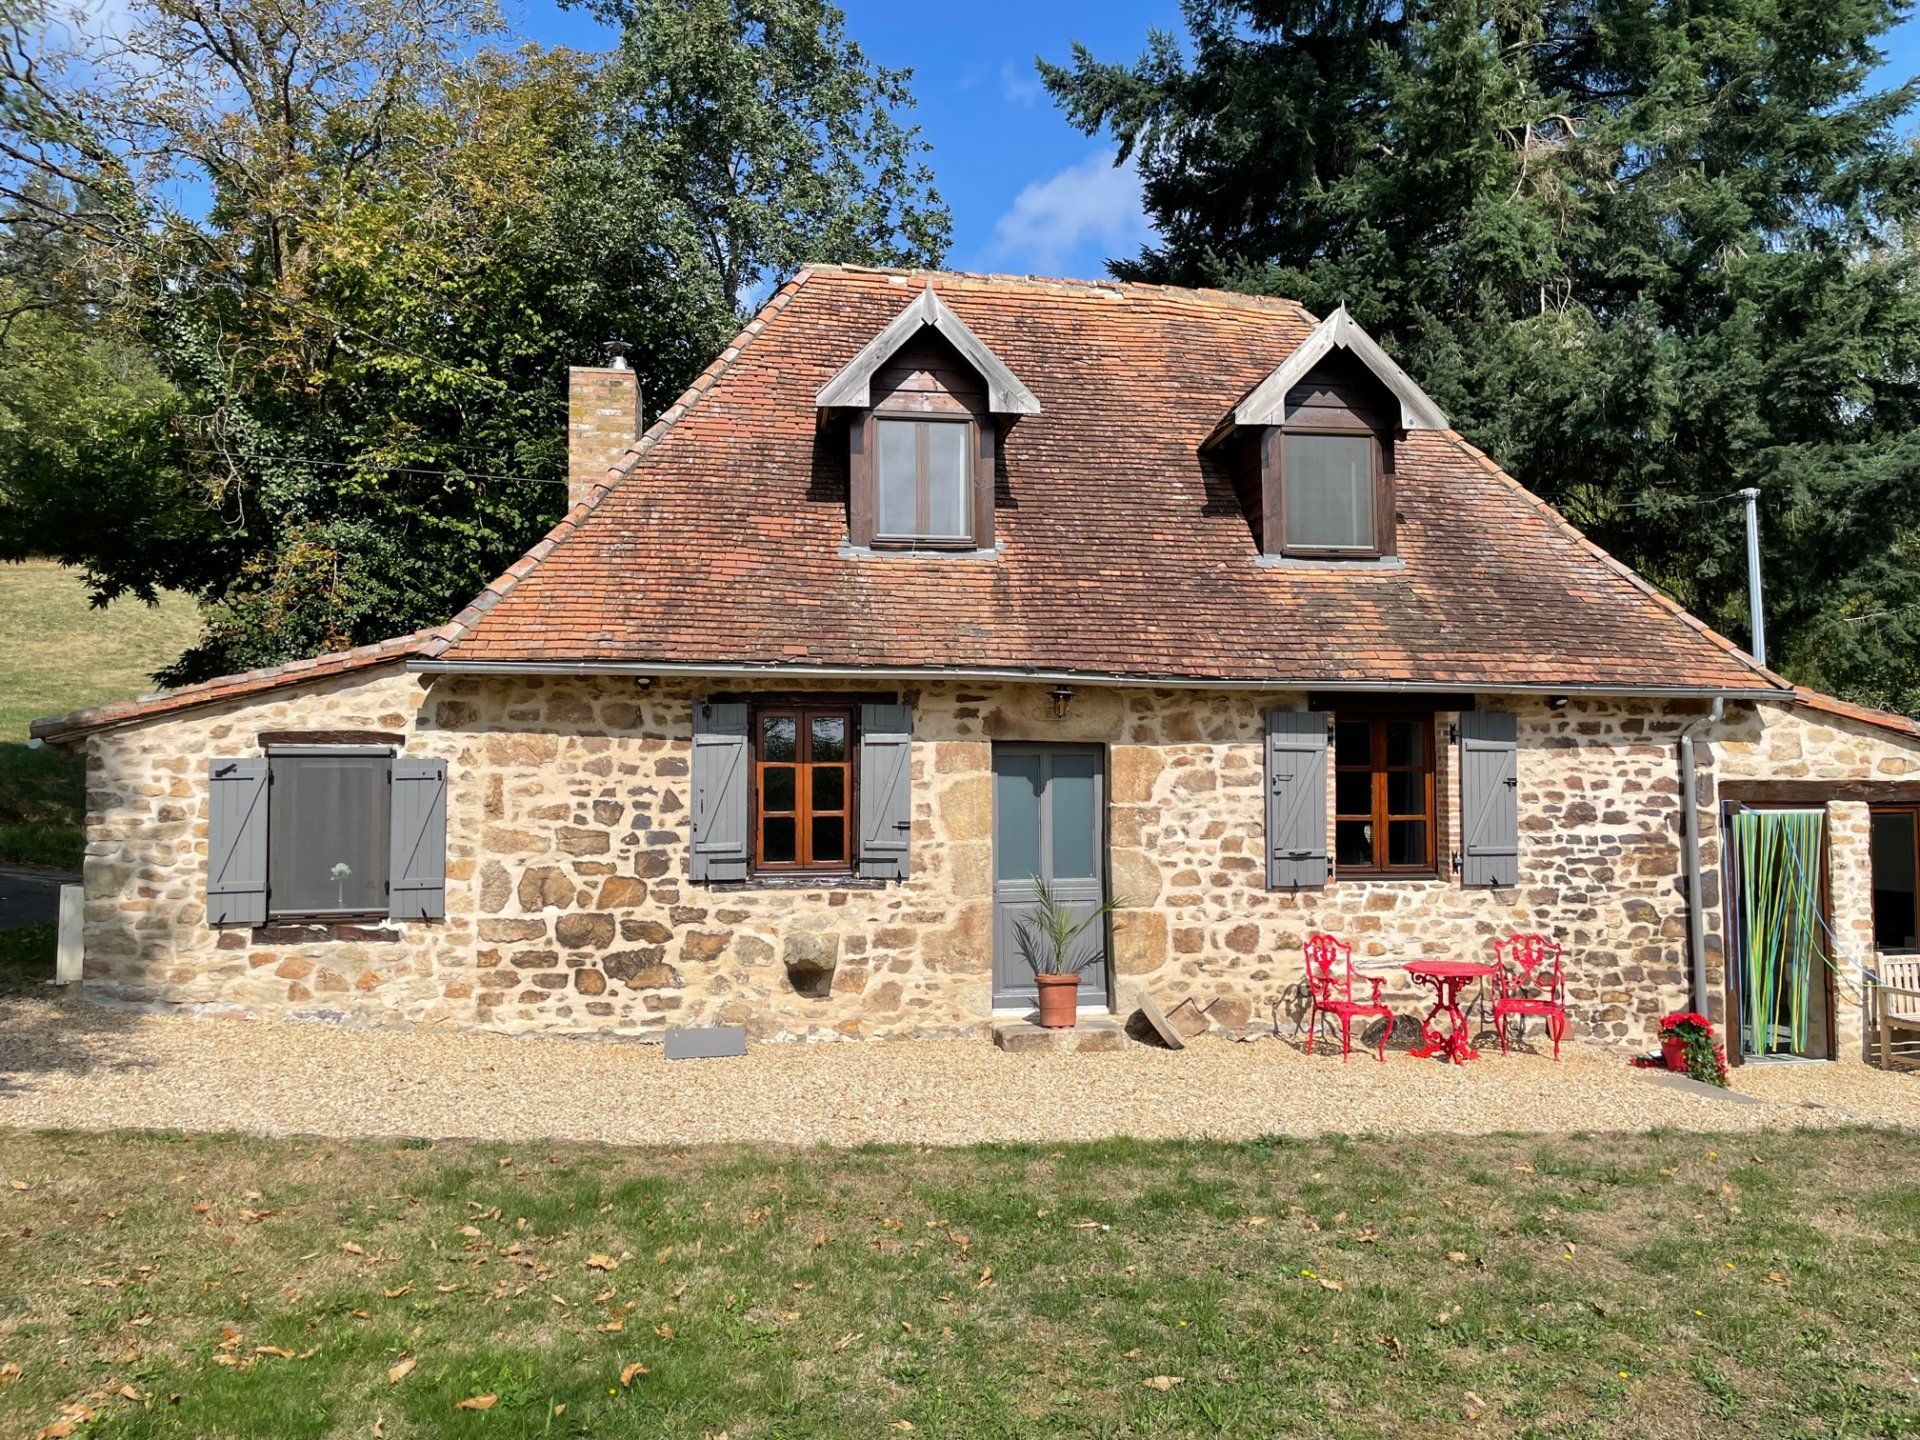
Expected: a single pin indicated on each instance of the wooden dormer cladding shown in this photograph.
(925, 377)
(925, 402)
(1331, 413)
(1338, 397)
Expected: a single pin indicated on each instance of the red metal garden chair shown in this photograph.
(1532, 982)
(1330, 991)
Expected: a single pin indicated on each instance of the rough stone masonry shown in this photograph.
(569, 907)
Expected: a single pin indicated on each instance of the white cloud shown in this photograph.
(1093, 203)
(1019, 85)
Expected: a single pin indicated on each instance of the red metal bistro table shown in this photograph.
(1448, 978)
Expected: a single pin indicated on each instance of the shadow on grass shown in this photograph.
(43, 799)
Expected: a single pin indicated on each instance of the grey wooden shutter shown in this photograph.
(1489, 798)
(417, 854)
(886, 790)
(1296, 799)
(237, 842)
(719, 791)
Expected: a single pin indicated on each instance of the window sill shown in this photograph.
(1329, 562)
(800, 882)
(1387, 877)
(850, 551)
(291, 931)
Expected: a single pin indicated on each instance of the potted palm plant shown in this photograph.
(1051, 934)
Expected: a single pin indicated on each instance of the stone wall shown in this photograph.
(1794, 743)
(568, 906)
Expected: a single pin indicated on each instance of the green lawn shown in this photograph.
(26, 952)
(58, 654)
(1584, 1286)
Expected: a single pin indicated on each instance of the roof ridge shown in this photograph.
(208, 692)
(993, 277)
(504, 583)
(1619, 567)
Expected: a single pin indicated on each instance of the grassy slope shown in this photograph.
(58, 654)
(1588, 1286)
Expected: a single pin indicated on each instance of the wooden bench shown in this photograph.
(1896, 1007)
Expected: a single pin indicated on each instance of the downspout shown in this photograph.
(1690, 810)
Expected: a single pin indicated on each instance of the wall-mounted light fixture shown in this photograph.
(1556, 702)
(1062, 696)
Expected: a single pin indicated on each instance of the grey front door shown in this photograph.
(1049, 821)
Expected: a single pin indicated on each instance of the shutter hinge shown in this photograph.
(1456, 862)
(1453, 733)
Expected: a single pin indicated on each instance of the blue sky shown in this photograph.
(1029, 193)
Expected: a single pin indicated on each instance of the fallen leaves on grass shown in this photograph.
(1163, 1382)
(399, 1371)
(598, 1261)
(1326, 1284)
(72, 1417)
(476, 1402)
(350, 1248)
(9, 1373)
(629, 1373)
(273, 1350)
(903, 1426)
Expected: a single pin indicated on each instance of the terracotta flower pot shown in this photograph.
(1674, 1050)
(1059, 1000)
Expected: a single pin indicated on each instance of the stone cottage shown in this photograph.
(934, 585)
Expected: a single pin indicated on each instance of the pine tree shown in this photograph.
(1644, 253)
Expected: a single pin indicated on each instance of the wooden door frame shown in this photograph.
(1101, 842)
(1729, 919)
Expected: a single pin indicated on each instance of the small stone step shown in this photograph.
(1090, 1034)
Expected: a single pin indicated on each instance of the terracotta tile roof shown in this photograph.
(1864, 715)
(1124, 552)
(718, 538)
(61, 728)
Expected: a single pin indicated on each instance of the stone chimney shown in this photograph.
(603, 419)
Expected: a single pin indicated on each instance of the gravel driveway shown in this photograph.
(66, 1062)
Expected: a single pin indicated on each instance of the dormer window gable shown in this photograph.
(925, 403)
(1311, 448)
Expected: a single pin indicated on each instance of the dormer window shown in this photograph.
(923, 481)
(925, 404)
(1311, 448)
(1327, 485)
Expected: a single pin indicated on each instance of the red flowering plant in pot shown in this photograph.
(1689, 1047)
(1050, 937)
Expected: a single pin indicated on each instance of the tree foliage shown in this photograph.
(1644, 253)
(350, 248)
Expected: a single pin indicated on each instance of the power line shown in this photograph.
(374, 465)
(1671, 501)
(155, 253)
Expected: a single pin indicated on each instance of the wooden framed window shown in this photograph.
(1385, 820)
(1325, 472)
(1332, 494)
(803, 788)
(1895, 848)
(923, 481)
(328, 832)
